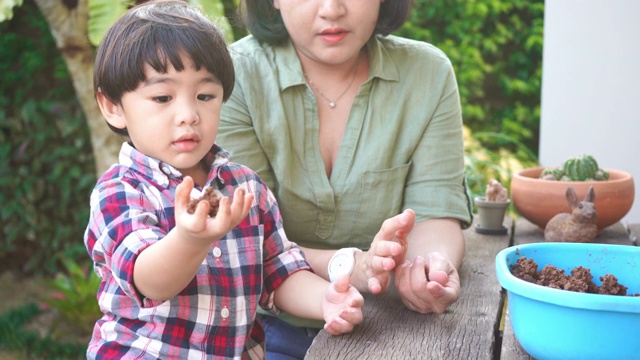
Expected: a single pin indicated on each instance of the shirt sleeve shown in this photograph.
(438, 161)
(281, 257)
(121, 226)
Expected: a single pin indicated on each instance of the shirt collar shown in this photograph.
(162, 172)
(381, 64)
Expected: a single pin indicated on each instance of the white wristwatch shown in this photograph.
(342, 263)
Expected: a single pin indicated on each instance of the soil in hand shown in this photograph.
(580, 279)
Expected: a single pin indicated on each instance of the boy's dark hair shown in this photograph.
(265, 23)
(157, 33)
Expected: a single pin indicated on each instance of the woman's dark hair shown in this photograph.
(265, 23)
(157, 33)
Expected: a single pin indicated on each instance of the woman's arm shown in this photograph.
(428, 281)
(437, 235)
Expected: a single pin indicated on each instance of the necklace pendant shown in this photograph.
(332, 104)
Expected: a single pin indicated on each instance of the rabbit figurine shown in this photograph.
(579, 226)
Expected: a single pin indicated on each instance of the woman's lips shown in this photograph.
(333, 37)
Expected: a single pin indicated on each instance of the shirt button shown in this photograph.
(224, 312)
(217, 252)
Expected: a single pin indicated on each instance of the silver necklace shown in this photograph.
(332, 103)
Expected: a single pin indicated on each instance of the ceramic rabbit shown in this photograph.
(579, 226)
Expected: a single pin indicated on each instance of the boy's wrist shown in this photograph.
(343, 262)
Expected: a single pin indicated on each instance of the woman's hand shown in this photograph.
(428, 284)
(342, 307)
(387, 250)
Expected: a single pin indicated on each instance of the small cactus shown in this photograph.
(577, 168)
(552, 173)
(495, 191)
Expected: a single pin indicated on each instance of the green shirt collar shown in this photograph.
(381, 65)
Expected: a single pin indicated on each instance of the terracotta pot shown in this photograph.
(539, 200)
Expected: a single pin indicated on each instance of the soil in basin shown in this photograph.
(580, 279)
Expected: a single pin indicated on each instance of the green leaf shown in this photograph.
(6, 9)
(102, 14)
(214, 10)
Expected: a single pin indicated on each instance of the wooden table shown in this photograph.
(475, 327)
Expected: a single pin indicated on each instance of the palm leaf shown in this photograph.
(215, 11)
(6, 9)
(102, 14)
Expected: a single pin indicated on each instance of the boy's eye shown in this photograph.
(205, 97)
(162, 99)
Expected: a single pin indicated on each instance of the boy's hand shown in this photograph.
(199, 224)
(342, 307)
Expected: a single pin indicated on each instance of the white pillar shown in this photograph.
(591, 85)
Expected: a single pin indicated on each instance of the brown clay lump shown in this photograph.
(580, 279)
(209, 196)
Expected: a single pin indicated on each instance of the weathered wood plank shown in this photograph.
(466, 330)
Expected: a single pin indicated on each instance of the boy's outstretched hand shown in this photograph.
(342, 307)
(199, 224)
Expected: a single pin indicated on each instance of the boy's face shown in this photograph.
(172, 117)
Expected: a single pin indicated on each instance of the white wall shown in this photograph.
(591, 85)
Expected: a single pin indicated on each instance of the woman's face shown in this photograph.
(329, 32)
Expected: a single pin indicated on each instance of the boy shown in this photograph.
(175, 284)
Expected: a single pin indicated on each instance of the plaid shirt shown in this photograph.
(132, 207)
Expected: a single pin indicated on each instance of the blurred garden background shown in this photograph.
(53, 141)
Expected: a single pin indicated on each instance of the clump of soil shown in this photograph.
(580, 279)
(209, 196)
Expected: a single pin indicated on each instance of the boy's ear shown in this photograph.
(111, 111)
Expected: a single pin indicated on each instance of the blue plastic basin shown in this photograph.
(559, 324)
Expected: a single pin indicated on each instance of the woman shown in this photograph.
(348, 126)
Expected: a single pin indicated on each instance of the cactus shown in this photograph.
(581, 168)
(577, 168)
(552, 174)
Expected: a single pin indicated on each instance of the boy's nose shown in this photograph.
(186, 113)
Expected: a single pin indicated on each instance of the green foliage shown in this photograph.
(46, 162)
(496, 50)
(482, 163)
(74, 298)
(103, 13)
(15, 338)
(6, 9)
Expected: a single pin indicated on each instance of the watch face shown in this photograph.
(340, 264)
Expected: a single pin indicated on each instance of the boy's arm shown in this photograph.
(307, 295)
(165, 268)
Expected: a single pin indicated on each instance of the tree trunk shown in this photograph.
(68, 25)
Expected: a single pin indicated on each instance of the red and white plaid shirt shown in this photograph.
(132, 207)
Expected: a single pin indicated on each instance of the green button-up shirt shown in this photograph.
(402, 147)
